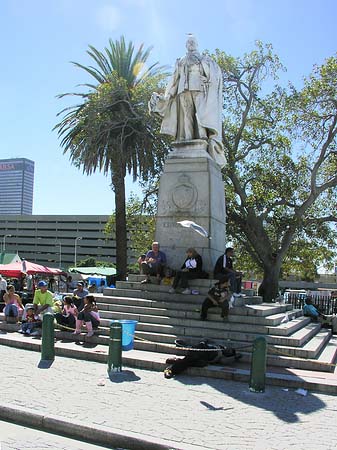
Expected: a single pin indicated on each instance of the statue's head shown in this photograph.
(191, 43)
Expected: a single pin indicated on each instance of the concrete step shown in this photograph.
(154, 287)
(178, 325)
(252, 314)
(157, 334)
(213, 314)
(311, 349)
(199, 282)
(282, 356)
(164, 342)
(137, 358)
(161, 294)
(321, 364)
(151, 287)
(272, 320)
(204, 282)
(167, 333)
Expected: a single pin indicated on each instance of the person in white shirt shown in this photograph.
(190, 270)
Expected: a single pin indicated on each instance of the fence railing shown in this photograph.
(325, 304)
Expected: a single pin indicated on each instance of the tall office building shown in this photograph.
(16, 186)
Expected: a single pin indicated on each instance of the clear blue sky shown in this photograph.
(40, 37)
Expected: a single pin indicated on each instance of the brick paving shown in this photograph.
(203, 412)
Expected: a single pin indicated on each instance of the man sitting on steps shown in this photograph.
(224, 266)
(310, 310)
(154, 264)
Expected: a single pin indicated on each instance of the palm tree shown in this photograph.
(111, 130)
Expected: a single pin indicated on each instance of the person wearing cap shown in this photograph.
(43, 299)
(218, 295)
(79, 293)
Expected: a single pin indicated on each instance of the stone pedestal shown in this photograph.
(191, 188)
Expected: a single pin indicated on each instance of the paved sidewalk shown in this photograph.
(16, 437)
(187, 412)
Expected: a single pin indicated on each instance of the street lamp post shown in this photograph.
(75, 259)
(4, 242)
(60, 253)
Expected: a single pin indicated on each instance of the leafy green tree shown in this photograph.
(92, 262)
(281, 174)
(110, 130)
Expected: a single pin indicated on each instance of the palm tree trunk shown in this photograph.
(118, 183)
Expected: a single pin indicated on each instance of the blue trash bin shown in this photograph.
(128, 333)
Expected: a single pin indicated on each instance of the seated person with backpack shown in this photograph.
(218, 295)
(309, 310)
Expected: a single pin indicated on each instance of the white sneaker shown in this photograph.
(90, 333)
(172, 291)
(186, 291)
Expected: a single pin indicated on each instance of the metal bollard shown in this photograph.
(258, 366)
(115, 348)
(48, 345)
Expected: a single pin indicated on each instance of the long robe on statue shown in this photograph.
(191, 107)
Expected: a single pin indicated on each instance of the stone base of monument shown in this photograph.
(191, 188)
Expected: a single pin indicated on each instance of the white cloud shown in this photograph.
(109, 17)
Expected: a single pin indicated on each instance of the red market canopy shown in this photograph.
(18, 268)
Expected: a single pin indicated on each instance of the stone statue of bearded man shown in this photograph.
(191, 107)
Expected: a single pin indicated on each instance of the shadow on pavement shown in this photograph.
(86, 344)
(45, 364)
(213, 408)
(125, 375)
(285, 404)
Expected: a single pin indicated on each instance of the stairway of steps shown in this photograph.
(163, 318)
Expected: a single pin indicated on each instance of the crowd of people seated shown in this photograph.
(228, 284)
(70, 312)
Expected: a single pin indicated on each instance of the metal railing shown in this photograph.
(325, 304)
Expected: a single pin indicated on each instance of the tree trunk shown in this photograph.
(118, 183)
(269, 287)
